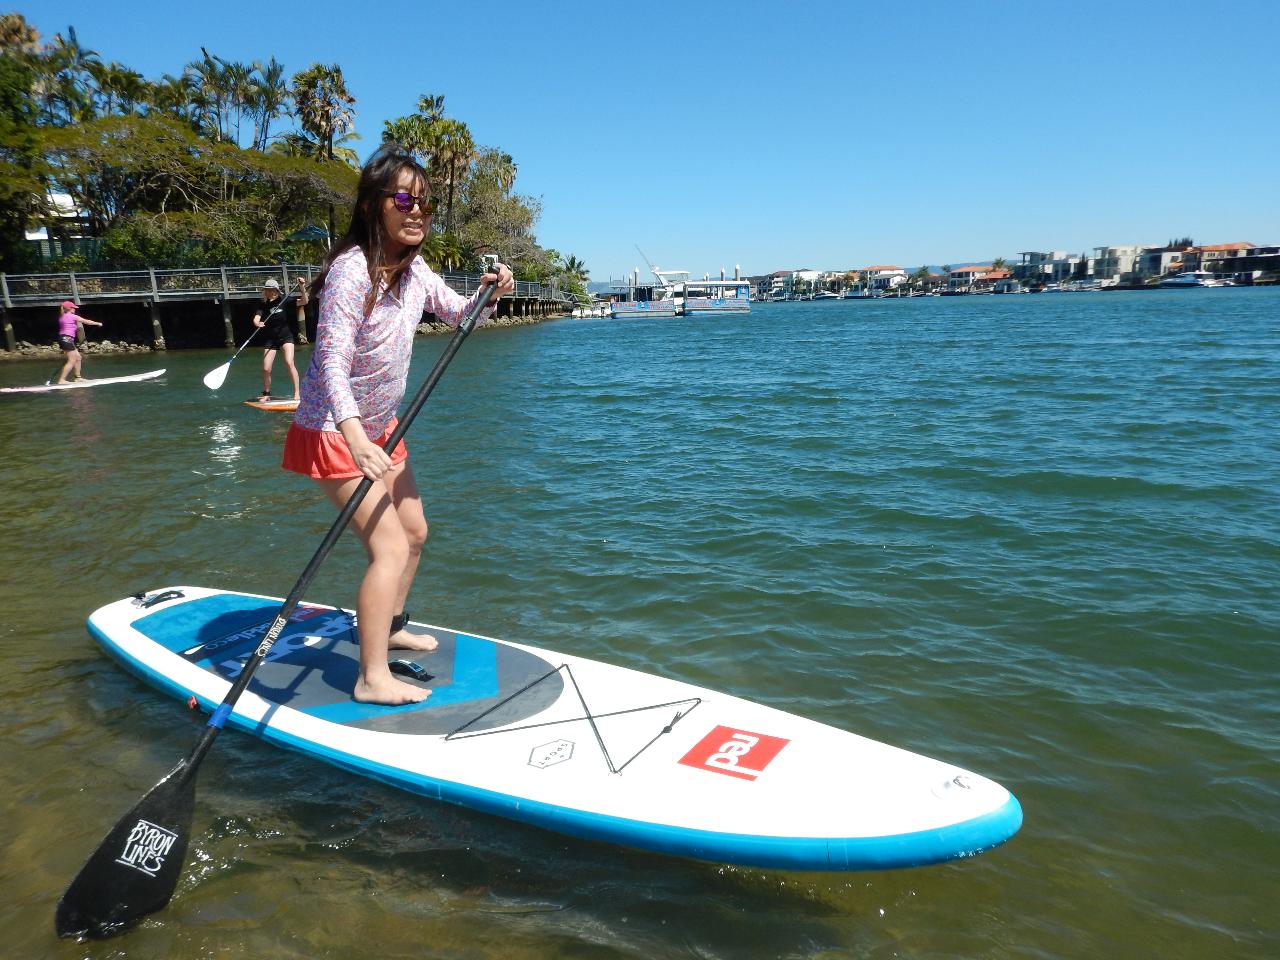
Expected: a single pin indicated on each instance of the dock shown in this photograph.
(32, 299)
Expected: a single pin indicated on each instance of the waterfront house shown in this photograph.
(1039, 268)
(1154, 262)
(779, 285)
(1112, 265)
(804, 282)
(961, 279)
(1210, 258)
(65, 231)
(1252, 263)
(760, 287)
(883, 277)
(988, 280)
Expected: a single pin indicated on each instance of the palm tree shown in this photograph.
(420, 133)
(455, 149)
(270, 98)
(431, 107)
(212, 94)
(117, 85)
(176, 97)
(443, 251)
(65, 90)
(296, 144)
(325, 108)
(413, 133)
(344, 153)
(240, 93)
(504, 170)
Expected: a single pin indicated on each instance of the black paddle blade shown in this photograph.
(135, 869)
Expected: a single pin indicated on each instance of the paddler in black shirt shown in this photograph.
(273, 313)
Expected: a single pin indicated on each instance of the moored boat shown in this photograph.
(703, 297)
(1193, 278)
(630, 309)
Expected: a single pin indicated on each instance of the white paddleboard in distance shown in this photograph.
(81, 384)
(568, 744)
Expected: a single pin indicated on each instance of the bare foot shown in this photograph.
(404, 640)
(388, 690)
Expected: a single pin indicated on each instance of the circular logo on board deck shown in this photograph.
(549, 754)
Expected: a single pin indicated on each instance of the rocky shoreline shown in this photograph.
(51, 351)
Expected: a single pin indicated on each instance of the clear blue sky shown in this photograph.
(821, 135)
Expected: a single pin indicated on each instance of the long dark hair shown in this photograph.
(377, 179)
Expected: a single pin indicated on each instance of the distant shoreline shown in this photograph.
(108, 348)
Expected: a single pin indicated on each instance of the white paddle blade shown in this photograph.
(216, 378)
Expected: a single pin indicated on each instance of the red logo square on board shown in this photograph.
(735, 753)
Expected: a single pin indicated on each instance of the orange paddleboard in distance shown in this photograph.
(279, 404)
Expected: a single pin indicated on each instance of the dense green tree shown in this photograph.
(492, 219)
(17, 37)
(154, 178)
(21, 165)
(196, 168)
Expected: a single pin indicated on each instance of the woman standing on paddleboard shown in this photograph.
(67, 330)
(272, 313)
(373, 290)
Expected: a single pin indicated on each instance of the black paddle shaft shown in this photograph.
(138, 864)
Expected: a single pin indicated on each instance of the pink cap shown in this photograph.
(68, 305)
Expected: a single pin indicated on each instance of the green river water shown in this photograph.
(1037, 536)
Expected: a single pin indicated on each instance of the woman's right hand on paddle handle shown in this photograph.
(372, 460)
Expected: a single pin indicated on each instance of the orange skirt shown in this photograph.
(323, 454)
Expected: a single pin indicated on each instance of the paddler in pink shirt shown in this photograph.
(67, 331)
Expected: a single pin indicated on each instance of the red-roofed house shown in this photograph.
(1207, 257)
(961, 279)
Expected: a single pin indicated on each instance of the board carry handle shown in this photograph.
(137, 866)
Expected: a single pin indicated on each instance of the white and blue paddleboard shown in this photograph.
(568, 744)
(81, 384)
